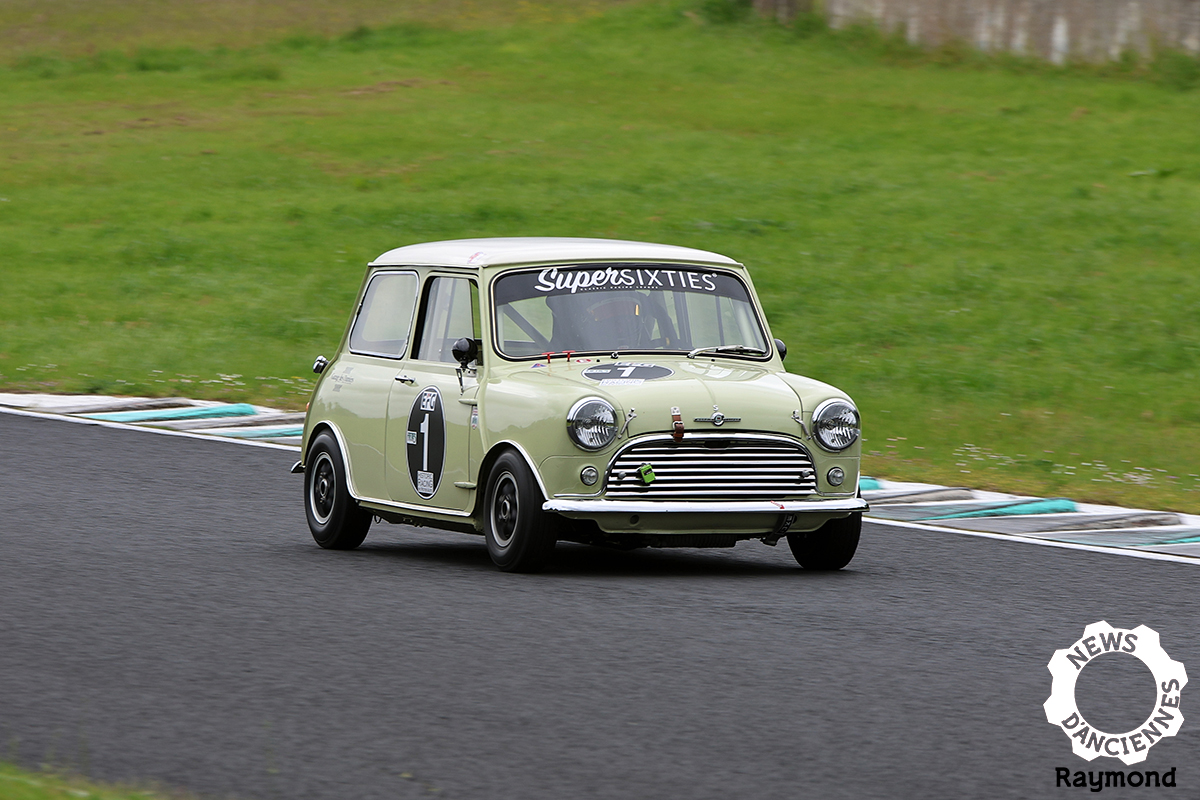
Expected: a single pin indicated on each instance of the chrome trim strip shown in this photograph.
(847, 505)
(666, 437)
(428, 512)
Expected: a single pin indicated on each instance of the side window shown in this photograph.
(451, 312)
(384, 320)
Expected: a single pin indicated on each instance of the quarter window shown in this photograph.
(385, 317)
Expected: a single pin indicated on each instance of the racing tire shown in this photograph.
(829, 547)
(520, 536)
(335, 519)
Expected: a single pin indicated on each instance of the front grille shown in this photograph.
(712, 467)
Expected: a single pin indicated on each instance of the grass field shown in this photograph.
(19, 784)
(998, 263)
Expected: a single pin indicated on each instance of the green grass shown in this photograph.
(85, 27)
(19, 784)
(997, 260)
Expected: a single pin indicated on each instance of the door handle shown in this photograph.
(405, 379)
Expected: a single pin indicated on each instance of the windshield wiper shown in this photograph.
(739, 349)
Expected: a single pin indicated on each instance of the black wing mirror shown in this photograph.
(465, 351)
(320, 364)
(782, 348)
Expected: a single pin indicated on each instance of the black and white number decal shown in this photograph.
(426, 442)
(627, 371)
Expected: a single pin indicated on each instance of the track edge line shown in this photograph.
(1005, 537)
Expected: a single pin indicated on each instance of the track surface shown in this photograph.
(164, 615)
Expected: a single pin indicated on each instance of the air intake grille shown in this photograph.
(712, 467)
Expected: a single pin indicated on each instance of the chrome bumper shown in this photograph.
(847, 505)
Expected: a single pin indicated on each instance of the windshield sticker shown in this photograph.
(581, 280)
(646, 279)
(626, 373)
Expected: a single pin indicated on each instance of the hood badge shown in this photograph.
(718, 418)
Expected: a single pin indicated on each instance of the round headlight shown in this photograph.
(835, 425)
(592, 423)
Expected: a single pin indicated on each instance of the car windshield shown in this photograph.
(624, 308)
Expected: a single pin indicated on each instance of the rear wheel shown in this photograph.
(335, 519)
(830, 546)
(520, 536)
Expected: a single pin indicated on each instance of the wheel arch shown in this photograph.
(485, 471)
(326, 426)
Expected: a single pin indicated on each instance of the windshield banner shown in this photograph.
(573, 280)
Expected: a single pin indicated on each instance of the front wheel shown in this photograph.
(336, 521)
(520, 536)
(829, 547)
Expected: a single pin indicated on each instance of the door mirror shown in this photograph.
(320, 364)
(782, 348)
(465, 351)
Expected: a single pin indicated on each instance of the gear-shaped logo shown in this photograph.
(1166, 718)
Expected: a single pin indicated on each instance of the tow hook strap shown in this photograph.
(677, 424)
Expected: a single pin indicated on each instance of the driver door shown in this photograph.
(432, 422)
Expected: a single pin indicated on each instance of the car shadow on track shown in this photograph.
(746, 560)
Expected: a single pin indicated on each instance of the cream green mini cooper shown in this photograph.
(605, 392)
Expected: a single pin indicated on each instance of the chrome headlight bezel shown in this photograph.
(592, 424)
(832, 428)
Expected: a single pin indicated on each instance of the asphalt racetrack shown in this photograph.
(165, 615)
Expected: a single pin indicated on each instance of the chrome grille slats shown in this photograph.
(712, 467)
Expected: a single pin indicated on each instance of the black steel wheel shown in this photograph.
(520, 536)
(829, 547)
(335, 519)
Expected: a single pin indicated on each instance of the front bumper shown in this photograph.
(742, 518)
(588, 507)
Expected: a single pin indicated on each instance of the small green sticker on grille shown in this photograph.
(646, 472)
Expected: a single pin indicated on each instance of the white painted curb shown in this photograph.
(161, 431)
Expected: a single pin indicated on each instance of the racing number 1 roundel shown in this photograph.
(426, 442)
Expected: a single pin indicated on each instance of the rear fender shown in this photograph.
(341, 440)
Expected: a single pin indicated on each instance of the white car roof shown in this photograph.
(538, 250)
